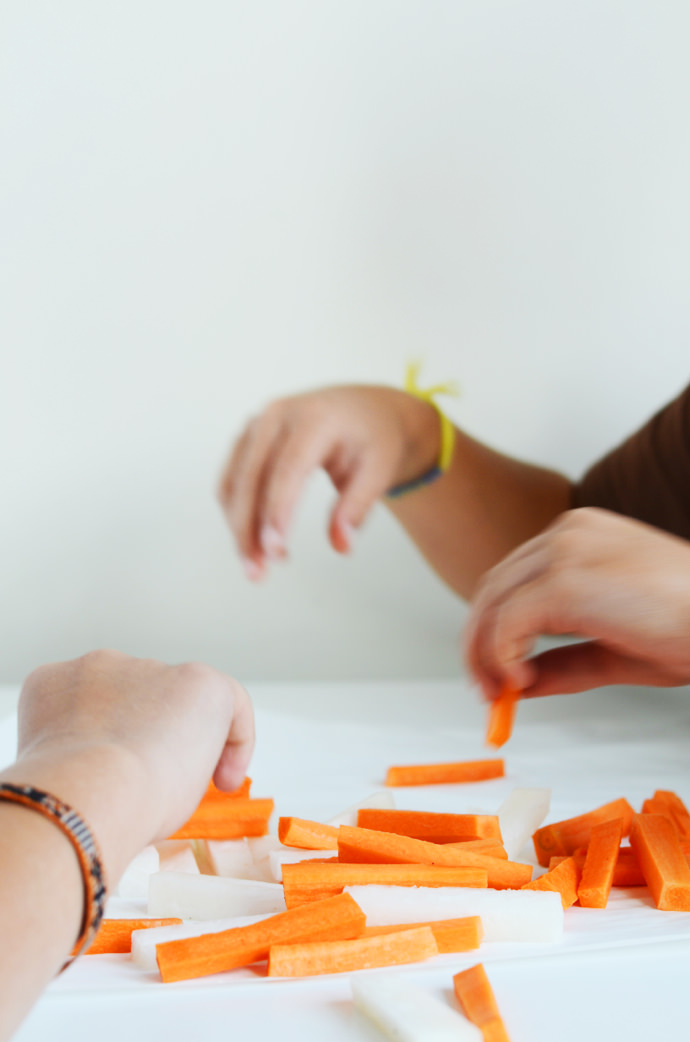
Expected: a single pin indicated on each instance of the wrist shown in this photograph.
(104, 784)
(421, 438)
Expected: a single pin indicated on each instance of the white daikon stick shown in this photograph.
(261, 846)
(210, 897)
(144, 941)
(134, 883)
(520, 815)
(507, 915)
(177, 856)
(378, 800)
(407, 1014)
(232, 858)
(278, 858)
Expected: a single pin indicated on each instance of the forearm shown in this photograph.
(41, 908)
(484, 506)
(41, 883)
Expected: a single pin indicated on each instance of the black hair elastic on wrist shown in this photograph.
(80, 836)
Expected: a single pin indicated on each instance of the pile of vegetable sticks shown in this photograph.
(340, 870)
(583, 856)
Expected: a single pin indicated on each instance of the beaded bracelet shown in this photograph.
(80, 836)
(445, 455)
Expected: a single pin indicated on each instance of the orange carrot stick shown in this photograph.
(662, 861)
(309, 882)
(600, 864)
(364, 845)
(679, 812)
(437, 828)
(626, 873)
(445, 773)
(307, 835)
(230, 818)
(476, 997)
(490, 847)
(306, 960)
(564, 879)
(114, 936)
(336, 918)
(564, 837)
(451, 935)
(502, 716)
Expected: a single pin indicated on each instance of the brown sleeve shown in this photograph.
(648, 476)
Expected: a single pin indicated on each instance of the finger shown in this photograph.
(227, 478)
(547, 605)
(582, 667)
(521, 566)
(250, 475)
(239, 745)
(357, 496)
(285, 476)
(524, 565)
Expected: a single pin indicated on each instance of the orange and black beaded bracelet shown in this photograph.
(80, 836)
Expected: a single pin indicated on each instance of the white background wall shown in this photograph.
(204, 205)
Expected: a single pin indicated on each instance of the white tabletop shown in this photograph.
(619, 973)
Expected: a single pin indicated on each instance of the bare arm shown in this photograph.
(481, 509)
(130, 745)
(369, 439)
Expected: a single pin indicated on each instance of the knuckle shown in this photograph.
(197, 674)
(101, 659)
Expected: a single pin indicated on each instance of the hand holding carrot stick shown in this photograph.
(620, 584)
(129, 745)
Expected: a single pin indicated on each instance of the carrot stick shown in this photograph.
(679, 812)
(502, 716)
(306, 960)
(114, 936)
(451, 935)
(662, 861)
(307, 835)
(445, 773)
(490, 847)
(564, 879)
(600, 864)
(309, 882)
(364, 845)
(476, 997)
(336, 918)
(437, 828)
(230, 818)
(627, 871)
(564, 837)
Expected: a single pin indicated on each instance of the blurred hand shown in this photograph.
(367, 439)
(133, 742)
(620, 584)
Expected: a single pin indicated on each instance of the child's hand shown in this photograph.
(621, 584)
(367, 439)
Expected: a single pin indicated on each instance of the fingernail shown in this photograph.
(272, 543)
(252, 570)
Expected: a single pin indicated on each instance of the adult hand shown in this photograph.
(132, 743)
(620, 584)
(367, 439)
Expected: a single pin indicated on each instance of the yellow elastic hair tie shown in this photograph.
(445, 455)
